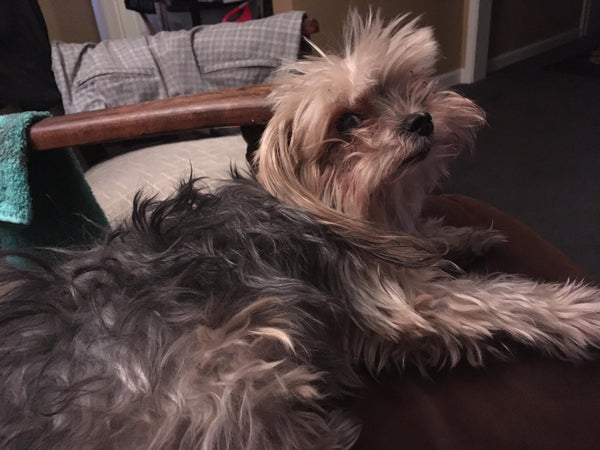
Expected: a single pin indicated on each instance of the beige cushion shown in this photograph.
(159, 170)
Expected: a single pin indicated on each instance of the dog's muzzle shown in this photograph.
(419, 123)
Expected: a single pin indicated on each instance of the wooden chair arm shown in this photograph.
(228, 107)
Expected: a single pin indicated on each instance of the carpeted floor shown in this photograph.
(539, 158)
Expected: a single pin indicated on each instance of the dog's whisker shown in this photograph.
(316, 48)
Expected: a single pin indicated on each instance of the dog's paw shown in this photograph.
(468, 241)
(467, 245)
(480, 241)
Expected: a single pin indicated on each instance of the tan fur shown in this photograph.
(384, 75)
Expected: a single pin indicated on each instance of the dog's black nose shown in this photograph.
(420, 123)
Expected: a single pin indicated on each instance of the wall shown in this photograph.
(518, 23)
(69, 20)
(514, 23)
(447, 17)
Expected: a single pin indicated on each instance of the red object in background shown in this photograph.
(240, 13)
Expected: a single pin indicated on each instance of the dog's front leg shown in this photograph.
(460, 245)
(466, 315)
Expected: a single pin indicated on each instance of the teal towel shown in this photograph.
(44, 198)
(15, 196)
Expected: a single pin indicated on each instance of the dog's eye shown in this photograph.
(347, 122)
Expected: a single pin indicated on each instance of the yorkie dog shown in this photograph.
(236, 319)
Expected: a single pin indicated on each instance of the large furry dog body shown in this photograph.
(234, 319)
(213, 321)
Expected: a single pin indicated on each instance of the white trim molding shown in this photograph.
(584, 21)
(514, 56)
(477, 40)
(451, 78)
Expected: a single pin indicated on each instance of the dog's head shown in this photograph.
(368, 133)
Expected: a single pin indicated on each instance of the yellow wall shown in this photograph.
(514, 23)
(445, 16)
(518, 23)
(70, 20)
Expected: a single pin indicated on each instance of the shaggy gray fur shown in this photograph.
(212, 321)
(228, 320)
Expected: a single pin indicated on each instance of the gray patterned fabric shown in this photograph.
(206, 58)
